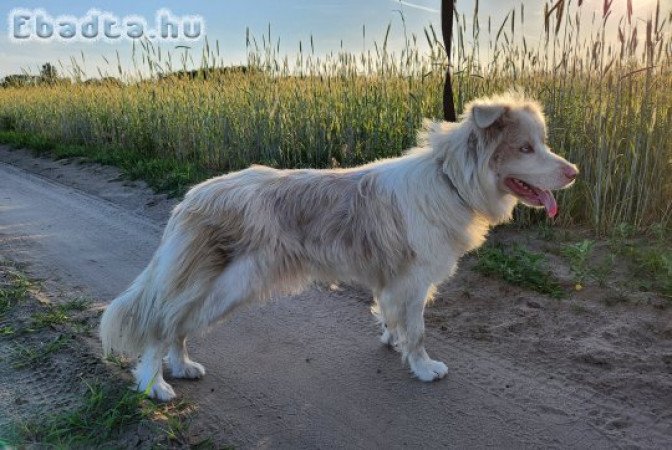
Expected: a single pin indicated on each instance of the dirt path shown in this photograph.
(307, 371)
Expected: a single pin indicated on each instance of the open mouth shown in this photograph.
(533, 196)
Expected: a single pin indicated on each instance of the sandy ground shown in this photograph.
(527, 371)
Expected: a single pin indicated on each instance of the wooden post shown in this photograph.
(447, 11)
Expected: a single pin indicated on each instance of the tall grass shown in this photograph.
(608, 102)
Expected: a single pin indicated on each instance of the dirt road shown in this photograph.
(308, 371)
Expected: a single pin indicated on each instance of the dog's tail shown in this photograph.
(126, 323)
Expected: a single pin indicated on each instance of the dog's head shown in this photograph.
(509, 132)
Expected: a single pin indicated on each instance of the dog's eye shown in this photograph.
(526, 149)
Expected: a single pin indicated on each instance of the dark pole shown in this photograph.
(447, 11)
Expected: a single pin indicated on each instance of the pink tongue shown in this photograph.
(549, 202)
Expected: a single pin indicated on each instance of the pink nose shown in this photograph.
(570, 172)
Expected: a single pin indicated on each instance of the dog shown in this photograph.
(397, 226)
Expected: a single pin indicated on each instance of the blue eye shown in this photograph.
(526, 149)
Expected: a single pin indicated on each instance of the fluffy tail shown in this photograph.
(121, 327)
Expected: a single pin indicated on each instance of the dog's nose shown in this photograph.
(570, 172)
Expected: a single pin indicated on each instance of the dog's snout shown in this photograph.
(571, 172)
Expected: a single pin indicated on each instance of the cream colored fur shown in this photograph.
(397, 226)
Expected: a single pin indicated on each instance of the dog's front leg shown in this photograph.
(412, 343)
(180, 364)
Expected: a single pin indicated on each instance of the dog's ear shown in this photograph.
(486, 115)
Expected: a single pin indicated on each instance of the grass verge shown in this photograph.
(27, 356)
(13, 290)
(45, 361)
(519, 266)
(651, 266)
(105, 412)
(162, 173)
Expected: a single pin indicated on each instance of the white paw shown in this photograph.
(388, 338)
(160, 391)
(428, 369)
(190, 369)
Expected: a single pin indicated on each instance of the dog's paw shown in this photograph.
(190, 370)
(160, 391)
(388, 338)
(428, 369)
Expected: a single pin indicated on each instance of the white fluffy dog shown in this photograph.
(397, 226)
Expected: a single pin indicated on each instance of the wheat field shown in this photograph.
(608, 101)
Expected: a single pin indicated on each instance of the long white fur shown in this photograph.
(397, 226)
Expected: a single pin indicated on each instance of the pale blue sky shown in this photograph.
(328, 21)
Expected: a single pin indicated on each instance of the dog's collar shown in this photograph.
(452, 186)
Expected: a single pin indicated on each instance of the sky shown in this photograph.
(329, 22)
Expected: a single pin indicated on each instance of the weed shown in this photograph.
(106, 410)
(651, 264)
(546, 232)
(76, 304)
(15, 290)
(518, 266)
(118, 360)
(59, 314)
(659, 232)
(175, 426)
(51, 317)
(7, 330)
(654, 264)
(25, 356)
(82, 327)
(603, 269)
(623, 231)
(578, 254)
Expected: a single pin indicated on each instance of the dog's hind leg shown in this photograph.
(238, 284)
(181, 366)
(149, 374)
(234, 286)
(387, 314)
(389, 337)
